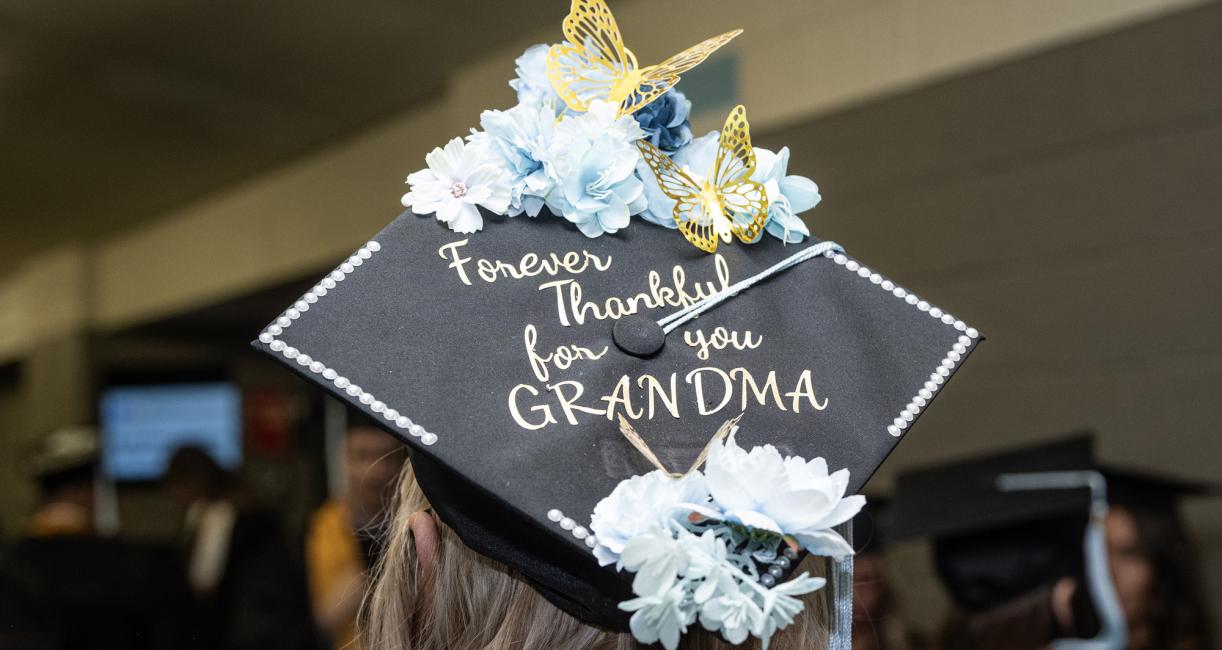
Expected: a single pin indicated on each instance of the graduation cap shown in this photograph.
(993, 546)
(536, 348)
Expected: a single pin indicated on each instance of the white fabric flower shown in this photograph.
(781, 605)
(788, 496)
(734, 613)
(657, 559)
(663, 616)
(706, 560)
(641, 504)
(458, 178)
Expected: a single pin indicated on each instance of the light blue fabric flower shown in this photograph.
(665, 121)
(520, 138)
(532, 83)
(788, 195)
(592, 160)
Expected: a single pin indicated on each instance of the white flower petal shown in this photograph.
(825, 543)
(467, 220)
(447, 211)
(753, 519)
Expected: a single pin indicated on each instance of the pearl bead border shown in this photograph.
(270, 337)
(967, 338)
(569, 524)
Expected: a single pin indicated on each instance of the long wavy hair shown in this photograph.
(1179, 618)
(475, 603)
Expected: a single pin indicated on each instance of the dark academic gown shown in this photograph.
(78, 591)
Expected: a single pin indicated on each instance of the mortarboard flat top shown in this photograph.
(961, 497)
(491, 355)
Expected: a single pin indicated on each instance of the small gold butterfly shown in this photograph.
(593, 63)
(726, 202)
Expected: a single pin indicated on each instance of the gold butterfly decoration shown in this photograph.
(724, 203)
(593, 64)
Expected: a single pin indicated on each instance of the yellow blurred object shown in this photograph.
(333, 558)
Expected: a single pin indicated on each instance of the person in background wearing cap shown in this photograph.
(64, 468)
(78, 589)
(1155, 566)
(345, 536)
(1013, 562)
(877, 620)
(252, 593)
(1156, 574)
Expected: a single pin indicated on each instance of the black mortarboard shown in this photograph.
(507, 357)
(408, 331)
(993, 546)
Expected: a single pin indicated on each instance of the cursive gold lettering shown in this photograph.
(696, 378)
(517, 415)
(804, 388)
(563, 357)
(567, 402)
(720, 339)
(654, 389)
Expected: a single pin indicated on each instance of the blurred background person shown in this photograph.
(347, 532)
(75, 589)
(878, 623)
(1014, 565)
(1155, 564)
(237, 561)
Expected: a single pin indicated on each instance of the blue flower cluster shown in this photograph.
(586, 166)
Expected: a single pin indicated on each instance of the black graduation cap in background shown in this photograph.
(992, 547)
(492, 355)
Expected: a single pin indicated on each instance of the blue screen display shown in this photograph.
(142, 426)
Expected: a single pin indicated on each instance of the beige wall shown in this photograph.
(799, 59)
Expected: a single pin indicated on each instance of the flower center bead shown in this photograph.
(458, 189)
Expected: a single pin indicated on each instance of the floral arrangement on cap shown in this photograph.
(597, 140)
(715, 546)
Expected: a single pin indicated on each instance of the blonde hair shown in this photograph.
(480, 604)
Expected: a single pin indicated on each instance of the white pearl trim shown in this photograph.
(270, 338)
(938, 376)
(567, 523)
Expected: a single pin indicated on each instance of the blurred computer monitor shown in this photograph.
(142, 426)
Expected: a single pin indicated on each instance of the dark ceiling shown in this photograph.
(112, 111)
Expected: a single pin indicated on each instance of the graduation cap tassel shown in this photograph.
(695, 309)
(840, 635)
(1113, 632)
